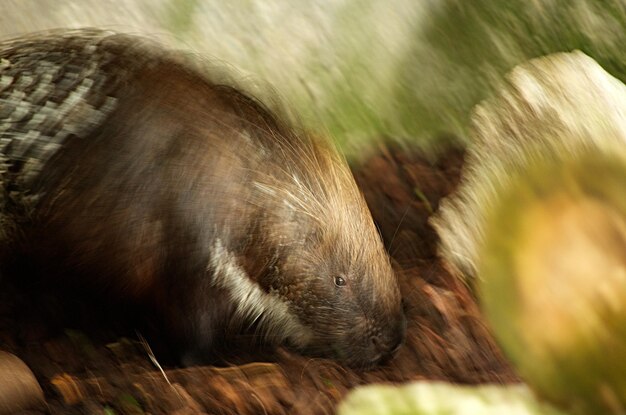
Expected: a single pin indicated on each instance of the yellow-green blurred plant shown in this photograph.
(439, 398)
(553, 279)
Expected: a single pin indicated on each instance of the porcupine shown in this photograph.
(125, 164)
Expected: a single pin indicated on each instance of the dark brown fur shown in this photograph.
(193, 199)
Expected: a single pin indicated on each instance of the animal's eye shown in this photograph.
(340, 281)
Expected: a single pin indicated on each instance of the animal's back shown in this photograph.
(116, 156)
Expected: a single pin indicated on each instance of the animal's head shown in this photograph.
(331, 270)
(343, 291)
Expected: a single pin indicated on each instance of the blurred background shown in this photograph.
(358, 69)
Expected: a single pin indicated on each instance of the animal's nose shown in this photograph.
(388, 346)
(377, 349)
(384, 354)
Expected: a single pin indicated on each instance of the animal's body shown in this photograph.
(127, 167)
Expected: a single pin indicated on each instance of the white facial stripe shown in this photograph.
(252, 304)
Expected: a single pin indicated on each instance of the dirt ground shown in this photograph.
(89, 364)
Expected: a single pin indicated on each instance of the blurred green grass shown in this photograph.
(360, 69)
(402, 70)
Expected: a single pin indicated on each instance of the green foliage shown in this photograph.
(464, 48)
(361, 69)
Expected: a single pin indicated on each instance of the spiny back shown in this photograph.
(55, 86)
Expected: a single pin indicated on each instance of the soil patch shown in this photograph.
(87, 363)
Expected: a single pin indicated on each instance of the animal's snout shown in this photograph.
(387, 344)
